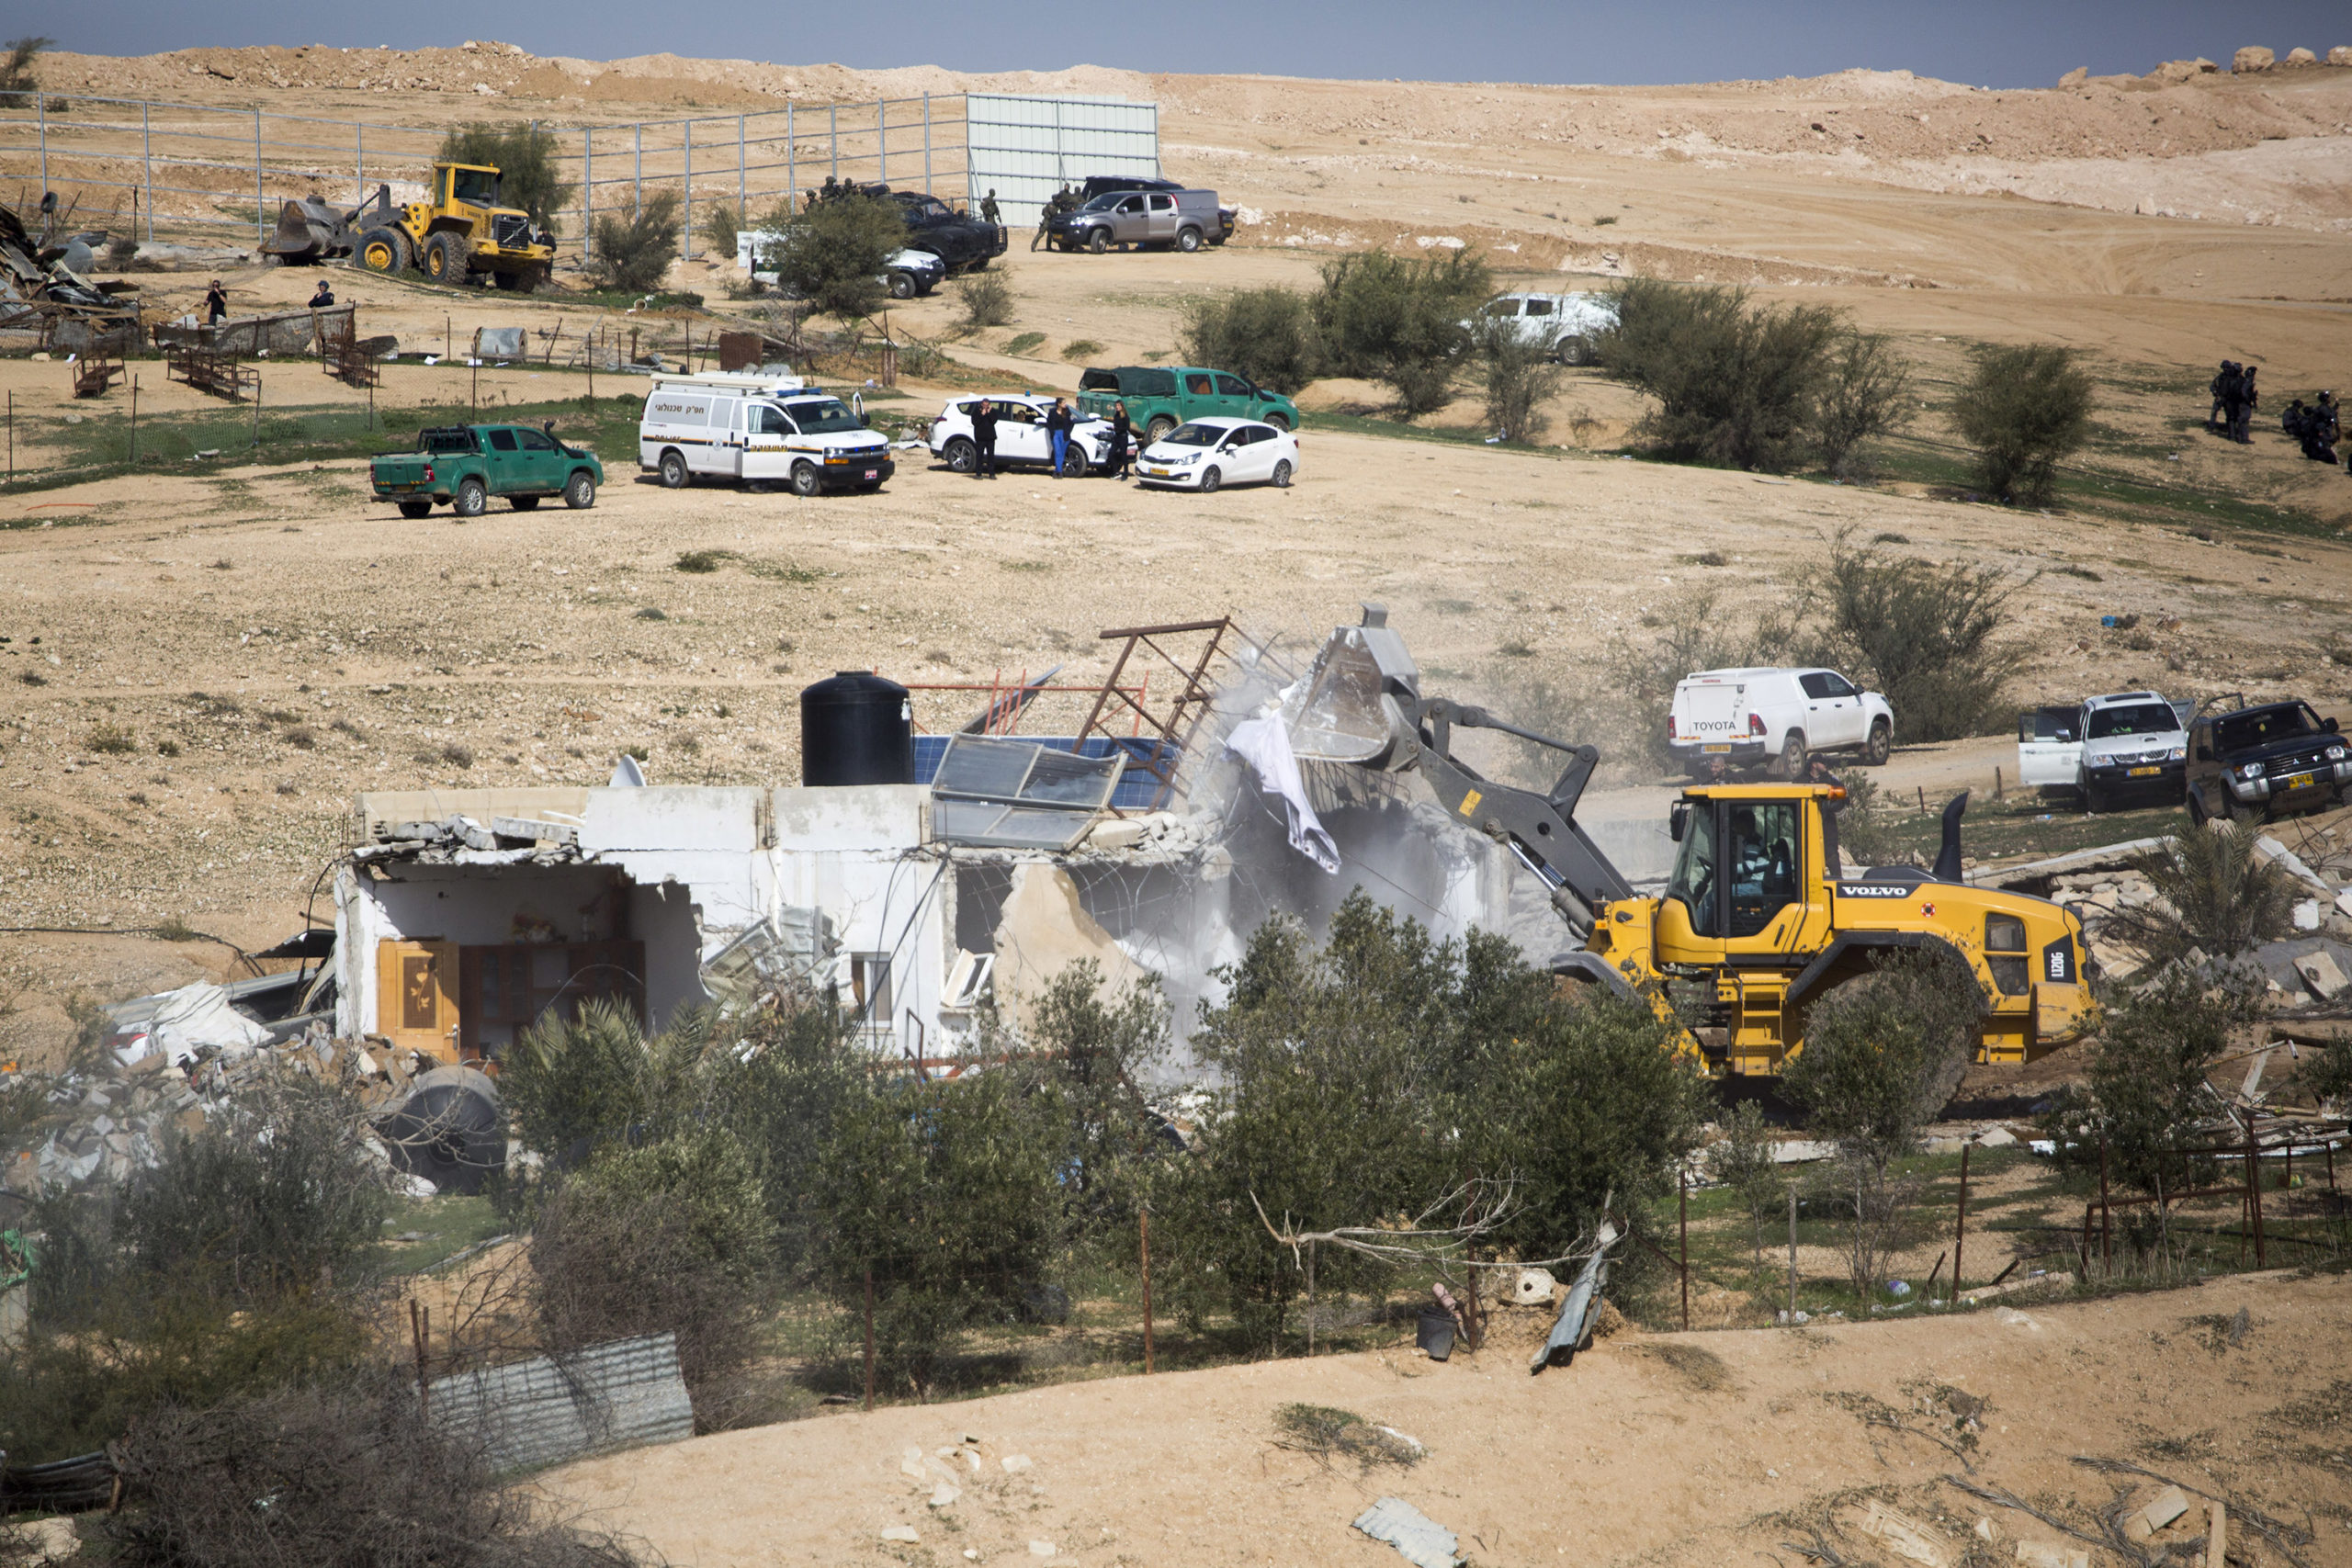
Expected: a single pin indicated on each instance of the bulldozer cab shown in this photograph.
(1749, 877)
(466, 185)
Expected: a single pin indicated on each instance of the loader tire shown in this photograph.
(1793, 754)
(381, 250)
(445, 259)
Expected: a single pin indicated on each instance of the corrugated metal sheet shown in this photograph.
(1026, 148)
(529, 1415)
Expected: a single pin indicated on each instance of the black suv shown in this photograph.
(962, 242)
(1105, 185)
(2264, 760)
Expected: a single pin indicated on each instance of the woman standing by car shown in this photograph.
(1122, 438)
(1058, 428)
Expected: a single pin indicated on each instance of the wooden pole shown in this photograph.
(2106, 1214)
(417, 1318)
(869, 1339)
(2254, 1190)
(1929, 1291)
(1960, 1229)
(1793, 1254)
(1682, 1202)
(134, 418)
(1147, 1293)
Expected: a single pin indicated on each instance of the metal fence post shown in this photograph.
(1146, 1218)
(926, 142)
(791, 164)
(261, 203)
(1960, 1226)
(40, 108)
(147, 168)
(742, 161)
(587, 192)
(687, 234)
(1682, 1202)
(833, 133)
(359, 163)
(1793, 1254)
(636, 200)
(882, 139)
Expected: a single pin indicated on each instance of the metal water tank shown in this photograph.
(857, 728)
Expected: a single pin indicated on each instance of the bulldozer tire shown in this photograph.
(445, 259)
(381, 250)
(450, 1129)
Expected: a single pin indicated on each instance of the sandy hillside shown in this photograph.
(1696, 1450)
(294, 643)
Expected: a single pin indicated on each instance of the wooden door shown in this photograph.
(416, 997)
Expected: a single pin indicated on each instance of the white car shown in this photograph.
(2122, 743)
(1564, 324)
(1757, 715)
(907, 274)
(1020, 438)
(1207, 453)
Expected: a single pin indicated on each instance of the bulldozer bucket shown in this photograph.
(309, 230)
(1348, 708)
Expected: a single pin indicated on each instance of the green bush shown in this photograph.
(835, 255)
(19, 81)
(986, 299)
(1927, 634)
(2024, 410)
(1865, 393)
(1735, 383)
(524, 157)
(1518, 377)
(719, 230)
(1267, 334)
(632, 253)
(1389, 319)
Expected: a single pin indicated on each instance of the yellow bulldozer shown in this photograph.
(458, 232)
(1759, 920)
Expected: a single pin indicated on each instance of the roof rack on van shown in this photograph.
(766, 381)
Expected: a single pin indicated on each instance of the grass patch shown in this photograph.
(701, 561)
(1701, 1368)
(1324, 1433)
(1078, 350)
(111, 741)
(1024, 342)
(784, 571)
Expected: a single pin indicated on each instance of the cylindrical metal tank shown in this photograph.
(857, 728)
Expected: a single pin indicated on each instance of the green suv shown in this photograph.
(1159, 398)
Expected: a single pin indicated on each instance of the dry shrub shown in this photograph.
(1325, 1433)
(343, 1478)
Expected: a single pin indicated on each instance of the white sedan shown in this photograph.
(1207, 453)
(1021, 436)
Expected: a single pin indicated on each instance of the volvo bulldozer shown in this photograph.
(456, 232)
(1758, 922)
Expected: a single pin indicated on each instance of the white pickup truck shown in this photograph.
(1742, 718)
(2124, 743)
(1564, 324)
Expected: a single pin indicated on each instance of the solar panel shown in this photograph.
(1138, 788)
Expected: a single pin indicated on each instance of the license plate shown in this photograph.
(2305, 781)
(1156, 473)
(873, 473)
(1715, 749)
(2145, 772)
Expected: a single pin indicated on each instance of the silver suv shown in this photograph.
(1185, 219)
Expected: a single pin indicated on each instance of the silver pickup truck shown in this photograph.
(1185, 219)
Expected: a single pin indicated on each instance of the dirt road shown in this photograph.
(1702, 1449)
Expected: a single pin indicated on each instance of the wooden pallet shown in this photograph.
(208, 371)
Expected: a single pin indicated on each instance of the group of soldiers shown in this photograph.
(1062, 201)
(2317, 426)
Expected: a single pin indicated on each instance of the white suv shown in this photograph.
(1021, 436)
(2122, 743)
(1564, 324)
(1745, 717)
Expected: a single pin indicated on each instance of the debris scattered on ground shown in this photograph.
(1899, 1533)
(1419, 1540)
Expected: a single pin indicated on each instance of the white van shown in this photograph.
(759, 428)
(1746, 717)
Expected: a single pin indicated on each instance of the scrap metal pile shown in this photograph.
(46, 292)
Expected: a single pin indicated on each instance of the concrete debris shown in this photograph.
(1534, 1287)
(2142, 1523)
(1986, 1292)
(41, 1540)
(2321, 972)
(1419, 1540)
(1901, 1534)
(1042, 1548)
(44, 287)
(904, 1535)
(2048, 1554)
(1016, 1464)
(945, 1494)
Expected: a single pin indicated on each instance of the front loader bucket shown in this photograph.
(1349, 709)
(309, 230)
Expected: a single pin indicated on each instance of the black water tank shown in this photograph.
(857, 728)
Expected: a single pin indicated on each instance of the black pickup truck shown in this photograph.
(962, 242)
(2265, 761)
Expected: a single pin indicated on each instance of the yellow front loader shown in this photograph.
(459, 232)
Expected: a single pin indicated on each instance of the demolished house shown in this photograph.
(47, 299)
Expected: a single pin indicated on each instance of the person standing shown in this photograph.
(2222, 388)
(325, 299)
(1058, 428)
(2321, 425)
(216, 303)
(984, 440)
(988, 212)
(1122, 437)
(2242, 411)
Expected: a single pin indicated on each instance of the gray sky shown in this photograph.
(1990, 42)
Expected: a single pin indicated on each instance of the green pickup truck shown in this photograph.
(1159, 398)
(464, 465)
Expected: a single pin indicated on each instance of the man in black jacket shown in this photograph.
(2241, 408)
(984, 440)
(1122, 437)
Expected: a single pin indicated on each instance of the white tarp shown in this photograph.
(1264, 744)
(195, 1016)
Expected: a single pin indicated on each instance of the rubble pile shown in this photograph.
(47, 300)
(97, 1126)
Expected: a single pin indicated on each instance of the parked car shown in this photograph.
(2121, 744)
(1564, 324)
(462, 466)
(1184, 219)
(1160, 397)
(1208, 454)
(2264, 760)
(1102, 184)
(760, 429)
(908, 274)
(961, 241)
(1019, 435)
(1760, 715)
